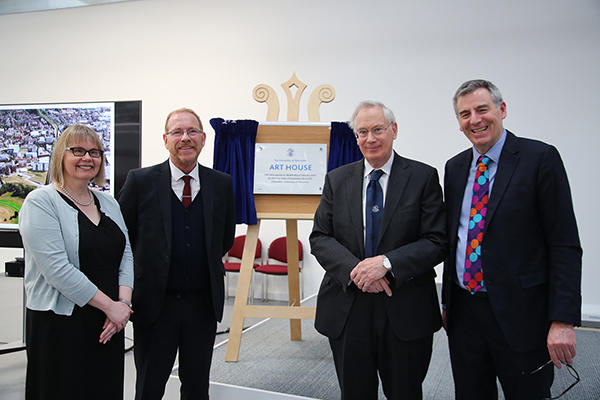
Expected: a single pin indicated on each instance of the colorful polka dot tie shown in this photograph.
(473, 277)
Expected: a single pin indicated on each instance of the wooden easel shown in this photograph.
(290, 208)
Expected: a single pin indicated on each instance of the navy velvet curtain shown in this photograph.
(342, 146)
(234, 154)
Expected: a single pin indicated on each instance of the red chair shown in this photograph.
(277, 264)
(233, 259)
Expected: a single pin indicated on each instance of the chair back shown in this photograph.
(238, 248)
(278, 250)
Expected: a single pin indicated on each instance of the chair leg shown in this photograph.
(226, 284)
(266, 287)
(301, 286)
(251, 299)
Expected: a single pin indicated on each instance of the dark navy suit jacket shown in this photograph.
(531, 254)
(145, 201)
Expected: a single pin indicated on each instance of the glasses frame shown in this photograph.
(375, 134)
(572, 371)
(191, 132)
(74, 149)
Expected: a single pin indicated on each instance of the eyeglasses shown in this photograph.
(572, 372)
(377, 131)
(191, 132)
(80, 152)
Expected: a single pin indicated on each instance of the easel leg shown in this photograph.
(241, 294)
(293, 275)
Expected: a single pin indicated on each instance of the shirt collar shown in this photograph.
(386, 168)
(177, 174)
(494, 152)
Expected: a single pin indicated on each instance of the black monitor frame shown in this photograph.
(127, 154)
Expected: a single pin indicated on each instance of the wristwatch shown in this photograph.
(126, 302)
(386, 262)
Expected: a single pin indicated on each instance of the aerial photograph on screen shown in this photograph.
(27, 137)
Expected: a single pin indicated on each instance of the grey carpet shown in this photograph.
(268, 360)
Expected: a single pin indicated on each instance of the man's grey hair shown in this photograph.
(473, 85)
(387, 113)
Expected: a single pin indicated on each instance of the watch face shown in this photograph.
(386, 263)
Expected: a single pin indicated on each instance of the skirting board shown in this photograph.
(590, 315)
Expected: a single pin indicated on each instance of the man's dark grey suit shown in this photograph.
(412, 236)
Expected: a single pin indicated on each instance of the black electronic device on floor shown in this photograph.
(15, 268)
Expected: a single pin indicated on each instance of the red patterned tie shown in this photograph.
(473, 277)
(186, 198)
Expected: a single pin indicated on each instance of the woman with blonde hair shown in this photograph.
(78, 277)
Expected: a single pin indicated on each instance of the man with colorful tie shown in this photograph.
(181, 221)
(378, 232)
(512, 280)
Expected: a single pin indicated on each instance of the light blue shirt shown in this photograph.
(50, 232)
(465, 211)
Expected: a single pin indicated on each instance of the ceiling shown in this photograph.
(21, 6)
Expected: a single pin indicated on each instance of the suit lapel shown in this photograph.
(509, 159)
(355, 204)
(163, 189)
(458, 178)
(395, 189)
(208, 205)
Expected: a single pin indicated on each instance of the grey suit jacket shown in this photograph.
(412, 236)
(145, 201)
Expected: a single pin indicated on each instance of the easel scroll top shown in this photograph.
(264, 93)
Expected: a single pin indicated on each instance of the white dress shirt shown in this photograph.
(177, 182)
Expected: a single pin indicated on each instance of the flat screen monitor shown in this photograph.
(28, 133)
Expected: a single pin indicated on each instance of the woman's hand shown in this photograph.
(109, 329)
(117, 316)
(118, 313)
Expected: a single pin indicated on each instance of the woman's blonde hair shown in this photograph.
(73, 134)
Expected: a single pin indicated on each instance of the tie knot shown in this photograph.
(483, 159)
(186, 179)
(375, 174)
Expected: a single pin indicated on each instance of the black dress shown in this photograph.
(65, 359)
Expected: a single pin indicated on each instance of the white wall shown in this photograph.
(543, 55)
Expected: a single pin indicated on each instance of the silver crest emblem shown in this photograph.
(375, 208)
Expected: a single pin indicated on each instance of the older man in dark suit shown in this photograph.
(181, 221)
(512, 280)
(378, 232)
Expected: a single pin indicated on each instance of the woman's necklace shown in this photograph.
(75, 200)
